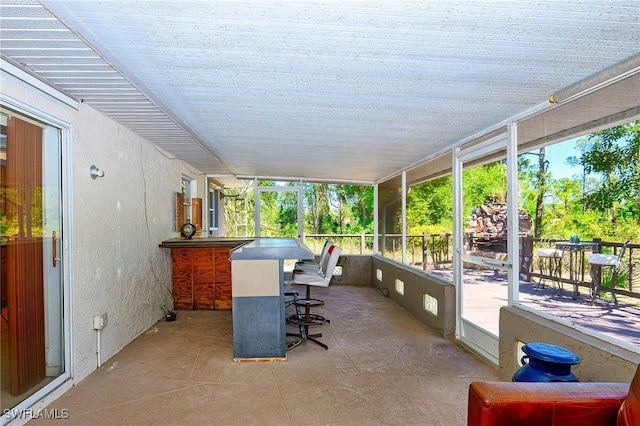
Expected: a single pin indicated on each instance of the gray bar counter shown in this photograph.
(257, 271)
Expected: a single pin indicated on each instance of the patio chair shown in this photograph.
(291, 294)
(312, 264)
(550, 264)
(597, 261)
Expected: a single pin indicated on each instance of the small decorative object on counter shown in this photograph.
(574, 239)
(168, 314)
(545, 362)
(188, 230)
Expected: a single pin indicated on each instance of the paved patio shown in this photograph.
(383, 367)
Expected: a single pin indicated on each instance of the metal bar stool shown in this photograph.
(291, 300)
(550, 264)
(305, 318)
(292, 295)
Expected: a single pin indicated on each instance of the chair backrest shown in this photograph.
(322, 279)
(334, 255)
(324, 254)
(624, 248)
(621, 255)
(324, 261)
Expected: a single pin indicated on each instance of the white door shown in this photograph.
(483, 263)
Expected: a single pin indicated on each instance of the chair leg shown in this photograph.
(595, 282)
(541, 268)
(550, 266)
(614, 281)
(557, 268)
(307, 319)
(311, 319)
(596, 276)
(300, 336)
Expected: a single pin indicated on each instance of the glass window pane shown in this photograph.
(390, 218)
(583, 196)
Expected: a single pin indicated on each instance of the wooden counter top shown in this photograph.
(204, 242)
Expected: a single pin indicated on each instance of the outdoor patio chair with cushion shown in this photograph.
(550, 264)
(597, 261)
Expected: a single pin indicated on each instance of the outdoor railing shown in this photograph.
(435, 251)
(350, 243)
(427, 251)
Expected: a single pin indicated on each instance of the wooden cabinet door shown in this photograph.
(222, 278)
(203, 267)
(201, 278)
(181, 263)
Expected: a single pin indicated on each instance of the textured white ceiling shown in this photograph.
(348, 91)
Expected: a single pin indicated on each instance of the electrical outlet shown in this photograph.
(99, 321)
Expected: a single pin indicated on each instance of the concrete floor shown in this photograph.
(383, 366)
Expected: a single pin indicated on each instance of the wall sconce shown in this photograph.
(95, 172)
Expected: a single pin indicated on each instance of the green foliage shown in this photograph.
(342, 209)
(430, 204)
(484, 184)
(614, 156)
(430, 207)
(25, 208)
(527, 180)
(603, 202)
(327, 209)
(622, 282)
(356, 205)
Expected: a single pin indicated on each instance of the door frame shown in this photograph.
(477, 338)
(258, 192)
(62, 382)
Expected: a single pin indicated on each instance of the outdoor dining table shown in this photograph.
(576, 260)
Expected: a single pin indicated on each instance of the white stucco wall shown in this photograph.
(117, 222)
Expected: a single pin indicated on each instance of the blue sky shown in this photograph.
(557, 155)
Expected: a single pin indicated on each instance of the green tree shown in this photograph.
(355, 208)
(482, 184)
(536, 176)
(430, 206)
(614, 156)
(317, 210)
